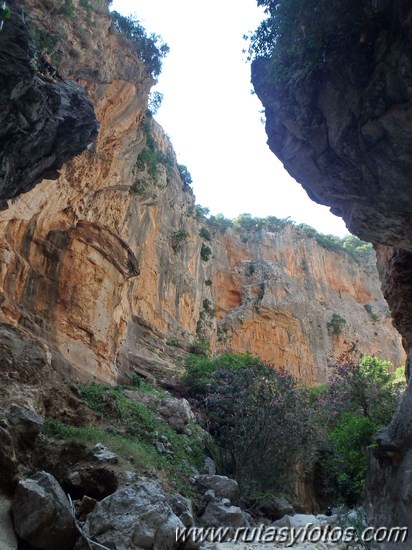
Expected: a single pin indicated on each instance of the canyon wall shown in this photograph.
(104, 268)
(277, 293)
(343, 130)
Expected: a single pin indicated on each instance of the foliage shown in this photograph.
(155, 101)
(360, 399)
(201, 346)
(150, 48)
(374, 316)
(350, 245)
(205, 252)
(149, 159)
(173, 342)
(336, 324)
(254, 410)
(201, 212)
(199, 370)
(367, 387)
(184, 174)
(299, 32)
(178, 238)
(208, 282)
(270, 223)
(356, 520)
(220, 222)
(205, 234)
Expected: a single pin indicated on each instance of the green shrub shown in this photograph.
(149, 48)
(336, 324)
(201, 346)
(205, 252)
(173, 342)
(254, 410)
(208, 282)
(155, 102)
(205, 234)
(360, 399)
(184, 175)
(178, 238)
(201, 212)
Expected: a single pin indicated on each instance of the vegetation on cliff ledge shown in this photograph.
(349, 245)
(315, 33)
(150, 48)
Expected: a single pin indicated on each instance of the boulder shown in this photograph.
(25, 424)
(102, 454)
(8, 539)
(222, 486)
(42, 514)
(135, 516)
(182, 507)
(221, 513)
(275, 508)
(209, 466)
(176, 412)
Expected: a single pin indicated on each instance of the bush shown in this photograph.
(149, 159)
(205, 252)
(361, 399)
(205, 234)
(184, 174)
(155, 101)
(178, 238)
(201, 346)
(336, 324)
(208, 282)
(150, 48)
(254, 410)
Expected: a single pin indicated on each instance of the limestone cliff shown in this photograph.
(104, 266)
(344, 132)
(276, 294)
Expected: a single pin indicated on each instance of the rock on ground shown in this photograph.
(134, 517)
(42, 514)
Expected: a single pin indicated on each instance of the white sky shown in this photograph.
(212, 118)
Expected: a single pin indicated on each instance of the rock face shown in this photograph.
(276, 294)
(45, 120)
(103, 266)
(345, 134)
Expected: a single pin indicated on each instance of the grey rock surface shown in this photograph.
(44, 120)
(25, 423)
(222, 486)
(218, 513)
(134, 517)
(176, 412)
(102, 454)
(42, 514)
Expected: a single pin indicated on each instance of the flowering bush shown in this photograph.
(261, 420)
